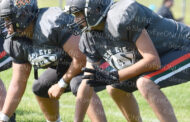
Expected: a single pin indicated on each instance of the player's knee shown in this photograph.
(36, 88)
(39, 90)
(142, 86)
(115, 92)
(145, 86)
(111, 90)
(74, 84)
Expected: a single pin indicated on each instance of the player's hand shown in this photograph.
(100, 77)
(55, 91)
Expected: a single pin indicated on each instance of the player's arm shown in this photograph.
(78, 61)
(150, 59)
(16, 88)
(78, 58)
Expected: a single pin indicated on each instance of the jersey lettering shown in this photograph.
(119, 57)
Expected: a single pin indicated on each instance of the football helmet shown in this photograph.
(94, 11)
(19, 13)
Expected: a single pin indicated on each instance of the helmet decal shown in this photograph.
(22, 3)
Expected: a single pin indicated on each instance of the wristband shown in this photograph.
(62, 83)
(4, 117)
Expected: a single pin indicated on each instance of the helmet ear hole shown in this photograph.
(98, 9)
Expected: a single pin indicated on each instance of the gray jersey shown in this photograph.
(127, 18)
(118, 53)
(124, 23)
(17, 49)
(48, 37)
(50, 27)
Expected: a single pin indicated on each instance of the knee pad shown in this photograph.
(41, 86)
(40, 89)
(74, 84)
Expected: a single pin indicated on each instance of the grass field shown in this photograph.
(176, 9)
(28, 110)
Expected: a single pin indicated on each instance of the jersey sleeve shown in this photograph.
(51, 27)
(87, 46)
(63, 32)
(59, 31)
(127, 19)
(138, 22)
(16, 49)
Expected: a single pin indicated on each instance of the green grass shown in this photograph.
(28, 110)
(176, 9)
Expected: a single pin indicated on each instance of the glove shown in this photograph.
(100, 77)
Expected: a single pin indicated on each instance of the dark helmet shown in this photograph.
(94, 11)
(20, 12)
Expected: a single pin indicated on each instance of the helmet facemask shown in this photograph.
(6, 22)
(3, 30)
(93, 11)
(77, 27)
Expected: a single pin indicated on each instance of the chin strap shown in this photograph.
(36, 73)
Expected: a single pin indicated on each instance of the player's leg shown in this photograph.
(157, 100)
(126, 103)
(49, 107)
(122, 95)
(5, 63)
(95, 109)
(2, 94)
(175, 70)
(2, 100)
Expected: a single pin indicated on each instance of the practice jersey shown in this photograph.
(127, 18)
(123, 25)
(51, 27)
(50, 34)
(97, 46)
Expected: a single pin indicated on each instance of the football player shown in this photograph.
(39, 37)
(166, 12)
(141, 46)
(5, 63)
